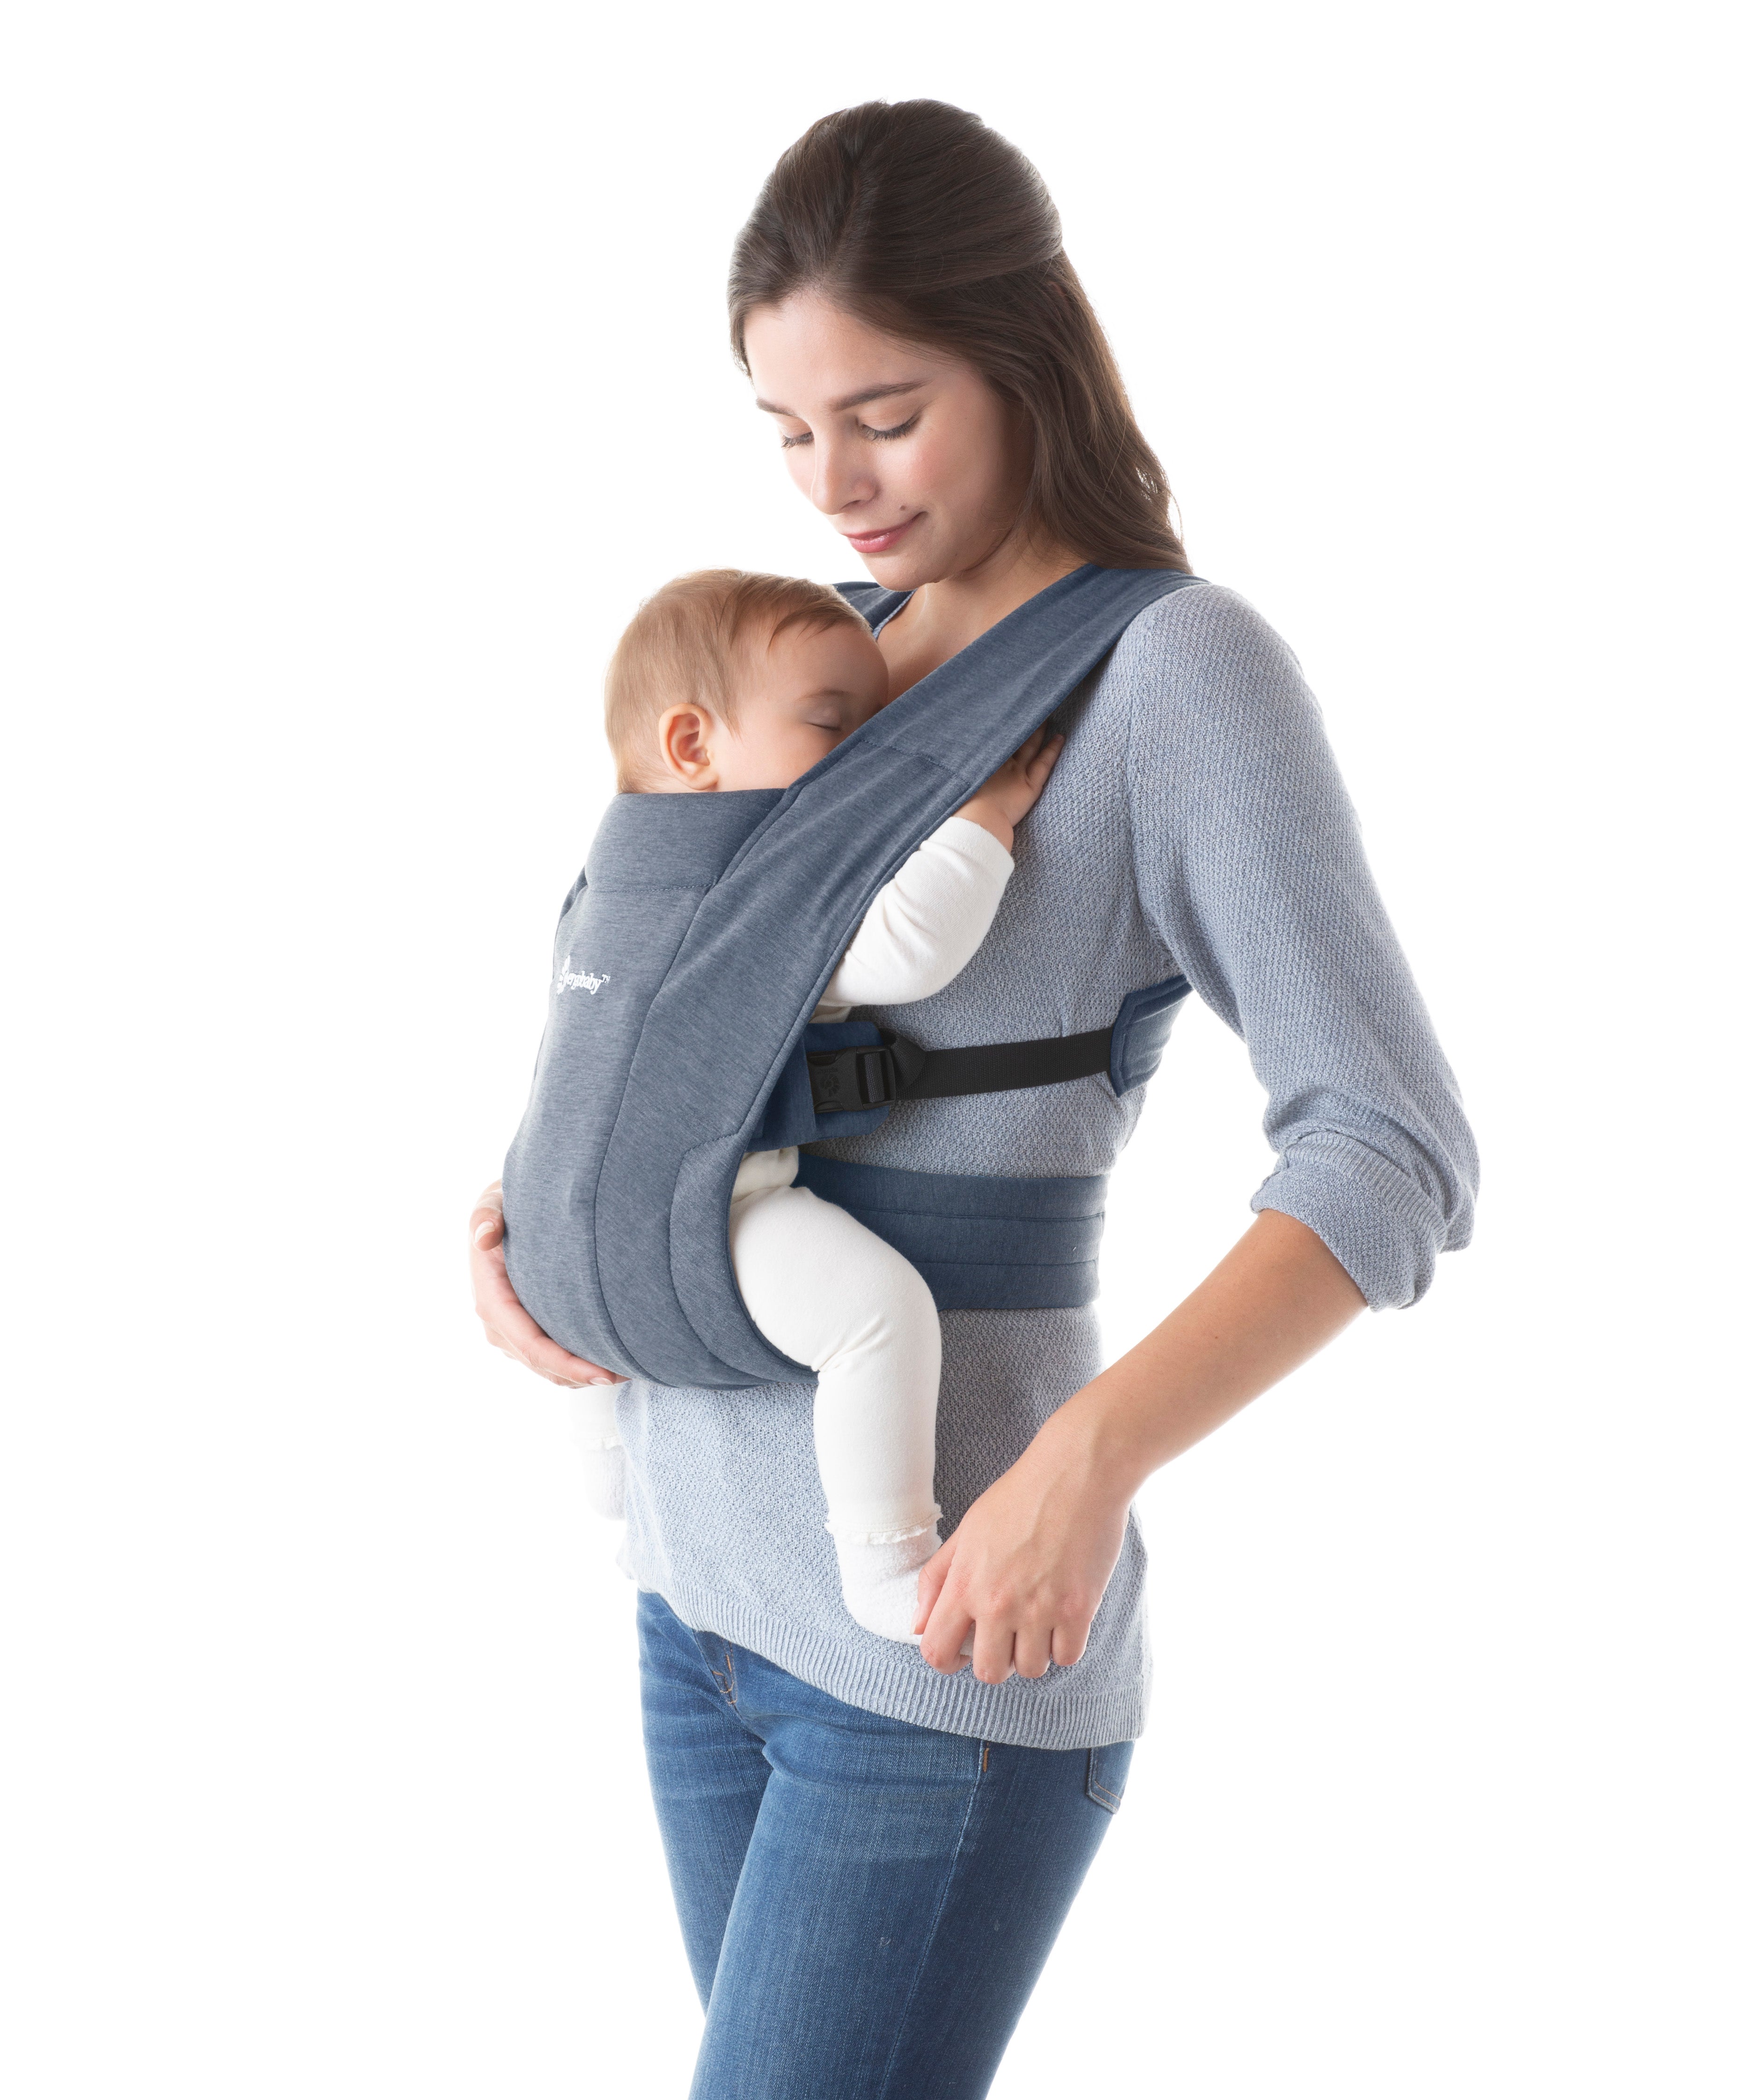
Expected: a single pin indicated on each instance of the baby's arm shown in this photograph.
(925, 926)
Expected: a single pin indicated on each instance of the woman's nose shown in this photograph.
(841, 477)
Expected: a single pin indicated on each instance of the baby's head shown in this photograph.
(726, 680)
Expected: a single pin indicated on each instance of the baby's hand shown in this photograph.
(1013, 789)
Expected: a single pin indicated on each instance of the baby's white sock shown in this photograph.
(592, 1420)
(880, 1582)
(604, 1482)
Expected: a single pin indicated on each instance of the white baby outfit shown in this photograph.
(827, 1291)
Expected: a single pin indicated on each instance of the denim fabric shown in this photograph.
(866, 1903)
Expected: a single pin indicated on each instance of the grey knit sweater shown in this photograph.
(1195, 821)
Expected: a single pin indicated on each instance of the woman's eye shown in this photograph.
(804, 438)
(899, 430)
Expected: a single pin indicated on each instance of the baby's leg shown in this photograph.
(826, 1291)
(592, 1420)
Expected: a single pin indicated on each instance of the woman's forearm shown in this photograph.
(1274, 1301)
(1028, 1564)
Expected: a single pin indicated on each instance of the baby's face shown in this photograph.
(802, 697)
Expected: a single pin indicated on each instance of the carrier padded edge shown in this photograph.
(738, 906)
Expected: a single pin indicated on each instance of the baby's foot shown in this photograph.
(880, 1582)
(604, 1481)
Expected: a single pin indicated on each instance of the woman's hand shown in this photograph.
(1014, 788)
(1028, 1563)
(508, 1326)
(1032, 1558)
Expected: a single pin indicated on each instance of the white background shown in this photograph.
(365, 365)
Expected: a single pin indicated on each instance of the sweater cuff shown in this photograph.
(1383, 1229)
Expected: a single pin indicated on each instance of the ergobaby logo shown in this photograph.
(571, 980)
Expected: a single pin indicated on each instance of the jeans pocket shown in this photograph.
(1108, 1768)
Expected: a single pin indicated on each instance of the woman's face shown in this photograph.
(912, 455)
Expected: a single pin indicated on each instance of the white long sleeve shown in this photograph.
(925, 926)
(921, 931)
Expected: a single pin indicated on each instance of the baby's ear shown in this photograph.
(683, 745)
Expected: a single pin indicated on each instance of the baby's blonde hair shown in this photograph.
(692, 641)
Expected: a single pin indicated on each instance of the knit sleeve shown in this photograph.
(1250, 867)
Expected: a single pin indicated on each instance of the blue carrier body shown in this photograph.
(689, 956)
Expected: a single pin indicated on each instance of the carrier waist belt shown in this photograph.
(993, 1241)
(1005, 1243)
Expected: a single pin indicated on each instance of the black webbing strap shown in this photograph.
(870, 1076)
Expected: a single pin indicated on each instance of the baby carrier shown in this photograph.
(689, 953)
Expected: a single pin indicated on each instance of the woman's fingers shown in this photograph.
(1033, 1557)
(944, 1645)
(930, 1578)
(998, 1649)
(1069, 1641)
(486, 1220)
(541, 1353)
(1002, 1649)
(1032, 1650)
(993, 1652)
(512, 1330)
(508, 1324)
(946, 1627)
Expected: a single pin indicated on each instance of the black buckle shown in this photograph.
(863, 1077)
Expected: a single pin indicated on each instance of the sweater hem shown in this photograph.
(906, 1689)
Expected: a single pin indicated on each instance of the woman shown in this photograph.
(872, 1849)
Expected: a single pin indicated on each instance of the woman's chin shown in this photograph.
(903, 569)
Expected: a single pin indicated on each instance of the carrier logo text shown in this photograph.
(571, 980)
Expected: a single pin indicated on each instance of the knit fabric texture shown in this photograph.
(1195, 823)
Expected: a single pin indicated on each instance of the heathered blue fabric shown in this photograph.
(1195, 821)
(652, 1079)
(977, 1239)
(1140, 1034)
(651, 863)
(991, 1241)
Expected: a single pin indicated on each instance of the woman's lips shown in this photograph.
(878, 543)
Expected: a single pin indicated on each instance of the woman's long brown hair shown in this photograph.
(919, 219)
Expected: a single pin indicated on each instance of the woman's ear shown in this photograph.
(683, 742)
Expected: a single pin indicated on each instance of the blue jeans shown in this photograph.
(866, 1903)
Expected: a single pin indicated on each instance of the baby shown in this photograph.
(728, 681)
